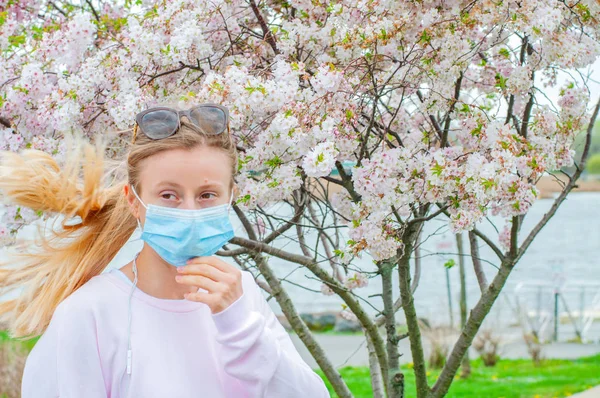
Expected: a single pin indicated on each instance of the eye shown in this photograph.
(206, 195)
(168, 196)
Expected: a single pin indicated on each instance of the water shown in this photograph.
(565, 253)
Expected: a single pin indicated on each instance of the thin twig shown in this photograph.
(572, 182)
(89, 3)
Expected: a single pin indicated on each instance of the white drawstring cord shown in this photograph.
(135, 279)
(128, 372)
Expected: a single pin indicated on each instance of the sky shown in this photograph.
(593, 83)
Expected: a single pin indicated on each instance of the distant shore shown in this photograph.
(548, 185)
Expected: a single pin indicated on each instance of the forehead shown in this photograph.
(188, 168)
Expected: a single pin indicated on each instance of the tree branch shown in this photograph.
(466, 364)
(478, 313)
(509, 112)
(242, 262)
(380, 320)
(267, 34)
(347, 182)
(434, 121)
(341, 291)
(481, 279)
(412, 321)
(429, 217)
(572, 181)
(457, 88)
(305, 335)
(396, 389)
(490, 295)
(491, 244)
(527, 114)
(514, 236)
(57, 9)
(89, 3)
(168, 72)
(375, 371)
(325, 243)
(487, 240)
(287, 306)
(269, 238)
(5, 122)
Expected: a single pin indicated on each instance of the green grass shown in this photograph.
(555, 378)
(27, 344)
(508, 379)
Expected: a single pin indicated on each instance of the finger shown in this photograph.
(202, 269)
(200, 281)
(215, 262)
(200, 297)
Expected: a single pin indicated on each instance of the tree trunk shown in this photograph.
(305, 335)
(375, 370)
(449, 294)
(478, 314)
(466, 364)
(412, 321)
(394, 377)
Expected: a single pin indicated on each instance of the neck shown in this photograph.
(156, 277)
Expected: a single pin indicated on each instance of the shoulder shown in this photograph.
(94, 297)
(76, 318)
(72, 329)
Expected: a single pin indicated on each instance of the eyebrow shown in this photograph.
(211, 184)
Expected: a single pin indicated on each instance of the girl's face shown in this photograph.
(184, 179)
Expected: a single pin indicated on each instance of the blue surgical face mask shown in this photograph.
(178, 235)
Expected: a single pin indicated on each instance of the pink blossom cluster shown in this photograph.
(573, 101)
(357, 280)
(416, 94)
(13, 219)
(7, 237)
(326, 290)
(348, 315)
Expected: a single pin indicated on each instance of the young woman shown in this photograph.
(176, 321)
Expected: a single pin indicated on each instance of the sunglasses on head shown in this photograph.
(162, 122)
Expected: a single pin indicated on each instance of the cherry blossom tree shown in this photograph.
(439, 106)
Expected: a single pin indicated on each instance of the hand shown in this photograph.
(222, 281)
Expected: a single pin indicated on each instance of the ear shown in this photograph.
(236, 191)
(134, 204)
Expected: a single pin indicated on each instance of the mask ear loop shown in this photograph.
(143, 204)
(230, 200)
(138, 198)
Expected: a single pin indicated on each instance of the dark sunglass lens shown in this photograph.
(159, 124)
(210, 119)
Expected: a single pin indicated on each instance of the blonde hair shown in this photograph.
(71, 255)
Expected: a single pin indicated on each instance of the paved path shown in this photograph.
(351, 350)
(591, 393)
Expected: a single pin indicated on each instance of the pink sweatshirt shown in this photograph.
(179, 348)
